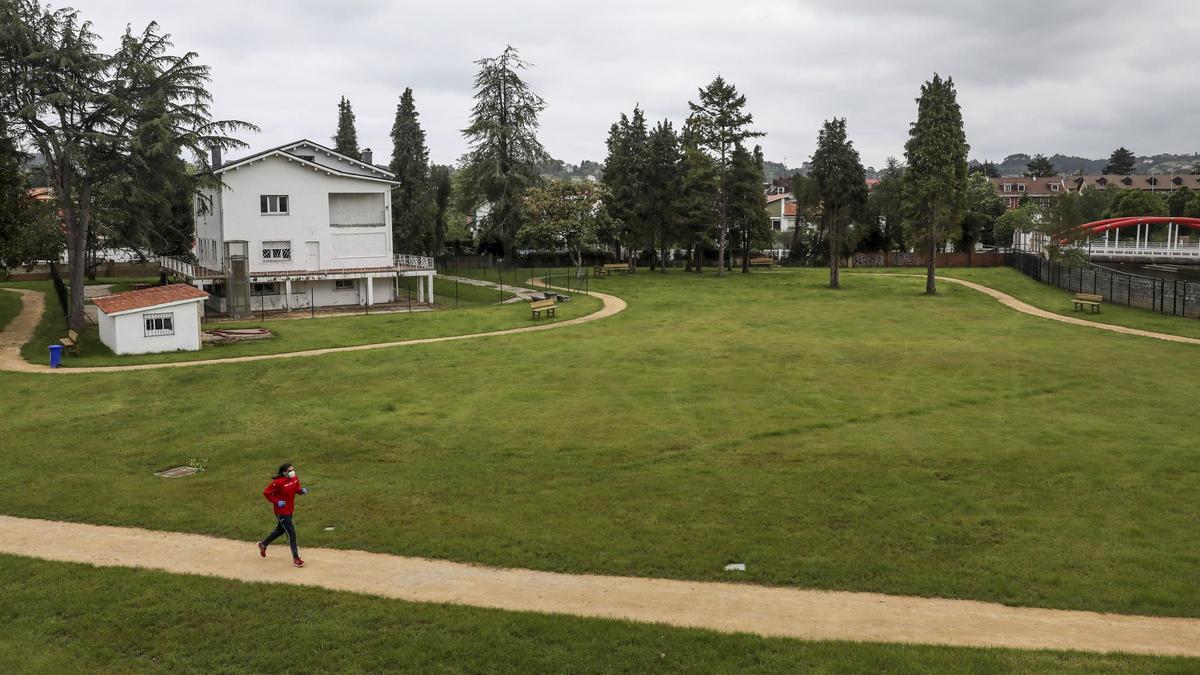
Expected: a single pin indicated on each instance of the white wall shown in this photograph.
(126, 333)
(324, 295)
(307, 219)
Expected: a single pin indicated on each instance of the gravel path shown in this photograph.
(20, 329)
(725, 607)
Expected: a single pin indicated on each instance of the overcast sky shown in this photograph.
(1074, 77)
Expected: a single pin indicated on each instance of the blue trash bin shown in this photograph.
(55, 355)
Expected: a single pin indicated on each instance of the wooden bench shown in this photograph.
(609, 268)
(538, 306)
(764, 261)
(71, 342)
(1082, 300)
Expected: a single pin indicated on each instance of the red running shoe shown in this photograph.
(297, 562)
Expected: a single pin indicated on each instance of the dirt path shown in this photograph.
(1026, 308)
(20, 329)
(726, 607)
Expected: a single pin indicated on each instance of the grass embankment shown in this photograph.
(59, 615)
(10, 306)
(1057, 300)
(867, 439)
(294, 335)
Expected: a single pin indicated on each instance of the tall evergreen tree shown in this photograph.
(719, 124)
(807, 237)
(414, 212)
(625, 178)
(842, 184)
(1122, 162)
(663, 186)
(1040, 167)
(935, 180)
(747, 201)
(443, 185)
(504, 149)
(345, 140)
(887, 203)
(79, 108)
(698, 205)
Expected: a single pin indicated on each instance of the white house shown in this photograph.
(152, 320)
(781, 208)
(296, 226)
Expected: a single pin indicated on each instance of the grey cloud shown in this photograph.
(1069, 76)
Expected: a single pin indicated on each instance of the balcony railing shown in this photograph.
(181, 267)
(419, 262)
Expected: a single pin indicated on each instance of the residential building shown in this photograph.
(151, 320)
(1163, 183)
(1041, 190)
(296, 226)
(781, 208)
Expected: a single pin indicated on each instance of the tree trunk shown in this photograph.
(78, 216)
(688, 260)
(834, 262)
(931, 267)
(721, 237)
(699, 259)
(745, 250)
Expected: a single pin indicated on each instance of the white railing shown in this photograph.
(181, 267)
(420, 262)
(1155, 249)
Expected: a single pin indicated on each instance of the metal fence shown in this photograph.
(1166, 296)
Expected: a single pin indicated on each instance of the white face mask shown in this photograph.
(291, 473)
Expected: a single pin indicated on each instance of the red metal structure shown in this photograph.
(1100, 226)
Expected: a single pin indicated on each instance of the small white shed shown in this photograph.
(152, 320)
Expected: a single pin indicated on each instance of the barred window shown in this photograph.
(159, 324)
(277, 250)
(273, 204)
(264, 289)
(343, 284)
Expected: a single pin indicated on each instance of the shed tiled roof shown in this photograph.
(147, 297)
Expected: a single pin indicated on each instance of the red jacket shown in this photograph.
(285, 489)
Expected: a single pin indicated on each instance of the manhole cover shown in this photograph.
(177, 472)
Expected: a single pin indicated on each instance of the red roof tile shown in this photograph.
(147, 297)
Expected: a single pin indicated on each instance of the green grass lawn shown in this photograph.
(59, 615)
(10, 306)
(866, 439)
(301, 334)
(1058, 301)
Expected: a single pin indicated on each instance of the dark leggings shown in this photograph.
(284, 526)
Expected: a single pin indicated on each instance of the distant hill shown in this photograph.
(1014, 165)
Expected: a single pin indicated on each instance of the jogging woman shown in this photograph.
(281, 492)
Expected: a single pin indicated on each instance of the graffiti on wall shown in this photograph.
(897, 259)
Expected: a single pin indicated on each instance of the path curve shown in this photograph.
(20, 330)
(1026, 308)
(725, 607)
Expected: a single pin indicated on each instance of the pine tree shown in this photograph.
(1121, 162)
(663, 185)
(414, 213)
(625, 177)
(747, 201)
(698, 204)
(504, 150)
(718, 124)
(1040, 167)
(887, 202)
(27, 231)
(842, 184)
(345, 140)
(935, 180)
(443, 185)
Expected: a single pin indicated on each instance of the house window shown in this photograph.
(343, 284)
(264, 289)
(277, 250)
(273, 204)
(1020, 187)
(159, 324)
(1054, 187)
(1008, 187)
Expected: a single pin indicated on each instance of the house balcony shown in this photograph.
(402, 265)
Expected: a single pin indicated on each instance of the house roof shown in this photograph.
(1034, 186)
(775, 198)
(1136, 181)
(148, 297)
(384, 176)
(41, 194)
(790, 210)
